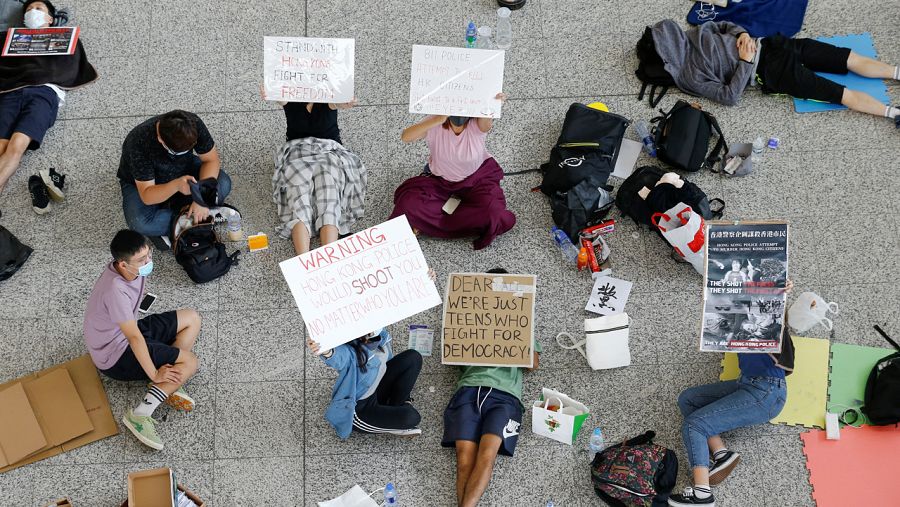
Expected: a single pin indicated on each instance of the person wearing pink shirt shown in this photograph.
(459, 170)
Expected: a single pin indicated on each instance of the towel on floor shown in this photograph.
(761, 18)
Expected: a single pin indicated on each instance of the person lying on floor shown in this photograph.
(318, 185)
(756, 397)
(31, 91)
(459, 167)
(718, 60)
(481, 420)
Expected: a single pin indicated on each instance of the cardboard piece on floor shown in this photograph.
(62, 502)
(860, 43)
(20, 433)
(807, 387)
(83, 376)
(859, 469)
(627, 159)
(850, 368)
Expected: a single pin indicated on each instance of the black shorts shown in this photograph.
(30, 110)
(789, 66)
(159, 332)
(475, 411)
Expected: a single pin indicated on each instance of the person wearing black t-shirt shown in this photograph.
(161, 157)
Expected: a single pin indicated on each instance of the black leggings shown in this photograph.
(388, 409)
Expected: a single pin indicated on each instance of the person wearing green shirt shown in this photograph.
(482, 420)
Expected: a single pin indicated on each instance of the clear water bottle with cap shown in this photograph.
(484, 38)
(504, 29)
(570, 253)
(758, 146)
(390, 495)
(233, 228)
(596, 443)
(471, 35)
(643, 131)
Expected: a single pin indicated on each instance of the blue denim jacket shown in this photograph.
(352, 382)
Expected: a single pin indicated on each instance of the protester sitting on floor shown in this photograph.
(756, 397)
(161, 158)
(481, 420)
(459, 167)
(718, 60)
(373, 388)
(318, 185)
(31, 91)
(156, 348)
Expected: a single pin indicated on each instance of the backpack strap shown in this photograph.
(714, 157)
(886, 337)
(524, 171)
(654, 100)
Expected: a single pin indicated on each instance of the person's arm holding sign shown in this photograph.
(417, 132)
(485, 124)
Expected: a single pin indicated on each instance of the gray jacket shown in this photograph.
(704, 60)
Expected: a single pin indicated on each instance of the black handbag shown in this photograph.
(13, 253)
(682, 138)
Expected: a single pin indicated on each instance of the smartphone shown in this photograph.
(451, 204)
(148, 301)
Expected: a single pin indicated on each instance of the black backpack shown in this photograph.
(651, 69)
(635, 473)
(199, 251)
(13, 253)
(661, 198)
(682, 138)
(882, 398)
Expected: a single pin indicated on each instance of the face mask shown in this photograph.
(35, 18)
(173, 153)
(458, 121)
(146, 269)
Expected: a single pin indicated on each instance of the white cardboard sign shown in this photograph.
(456, 81)
(361, 283)
(304, 69)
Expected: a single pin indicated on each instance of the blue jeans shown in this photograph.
(154, 219)
(711, 409)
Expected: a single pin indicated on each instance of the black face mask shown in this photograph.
(458, 121)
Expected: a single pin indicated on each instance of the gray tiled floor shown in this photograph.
(258, 436)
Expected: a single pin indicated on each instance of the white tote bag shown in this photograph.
(557, 416)
(810, 309)
(354, 497)
(684, 229)
(605, 343)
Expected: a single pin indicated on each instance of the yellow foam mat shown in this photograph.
(807, 387)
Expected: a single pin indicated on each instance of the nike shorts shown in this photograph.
(476, 411)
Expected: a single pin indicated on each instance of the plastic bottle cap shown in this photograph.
(596, 431)
(503, 12)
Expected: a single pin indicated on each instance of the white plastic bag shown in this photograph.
(685, 230)
(354, 497)
(810, 309)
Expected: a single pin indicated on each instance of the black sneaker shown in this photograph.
(688, 499)
(54, 182)
(40, 199)
(722, 467)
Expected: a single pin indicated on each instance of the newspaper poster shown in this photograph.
(456, 81)
(41, 41)
(361, 283)
(488, 320)
(304, 69)
(744, 299)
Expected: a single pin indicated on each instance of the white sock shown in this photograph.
(720, 453)
(151, 400)
(891, 112)
(897, 72)
(702, 491)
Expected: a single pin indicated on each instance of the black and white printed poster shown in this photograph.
(744, 299)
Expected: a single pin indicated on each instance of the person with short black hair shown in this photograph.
(160, 160)
(32, 88)
(157, 347)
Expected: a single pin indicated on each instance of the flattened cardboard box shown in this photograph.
(59, 416)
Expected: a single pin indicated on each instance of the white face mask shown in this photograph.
(35, 18)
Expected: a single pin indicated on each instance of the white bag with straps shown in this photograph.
(810, 309)
(605, 343)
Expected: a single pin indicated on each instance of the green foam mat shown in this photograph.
(850, 368)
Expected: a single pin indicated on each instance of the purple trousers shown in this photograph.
(482, 211)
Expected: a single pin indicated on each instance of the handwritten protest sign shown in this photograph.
(361, 283)
(456, 81)
(302, 69)
(489, 320)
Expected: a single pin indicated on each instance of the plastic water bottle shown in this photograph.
(504, 29)
(471, 35)
(596, 443)
(233, 228)
(565, 245)
(484, 38)
(758, 146)
(390, 494)
(643, 131)
(550, 503)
